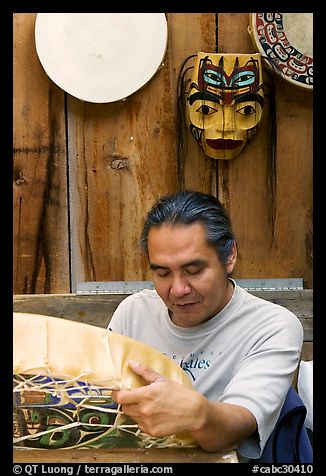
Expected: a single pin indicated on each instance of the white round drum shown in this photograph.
(285, 41)
(101, 57)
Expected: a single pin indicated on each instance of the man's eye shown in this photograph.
(206, 110)
(246, 110)
(193, 270)
(162, 274)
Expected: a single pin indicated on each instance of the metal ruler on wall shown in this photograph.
(131, 287)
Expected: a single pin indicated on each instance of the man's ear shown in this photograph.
(232, 259)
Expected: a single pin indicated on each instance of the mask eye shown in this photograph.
(246, 110)
(244, 78)
(214, 78)
(206, 110)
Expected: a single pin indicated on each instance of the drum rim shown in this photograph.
(269, 61)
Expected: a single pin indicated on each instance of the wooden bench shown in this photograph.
(124, 455)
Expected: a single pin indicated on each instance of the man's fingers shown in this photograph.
(124, 397)
(135, 396)
(145, 372)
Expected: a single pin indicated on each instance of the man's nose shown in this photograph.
(180, 286)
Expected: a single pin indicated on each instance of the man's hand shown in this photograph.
(161, 408)
(164, 407)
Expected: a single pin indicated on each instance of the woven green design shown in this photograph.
(52, 413)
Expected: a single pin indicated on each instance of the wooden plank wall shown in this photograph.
(85, 174)
(41, 251)
(243, 181)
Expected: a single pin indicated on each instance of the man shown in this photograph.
(239, 351)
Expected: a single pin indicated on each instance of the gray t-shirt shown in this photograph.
(245, 355)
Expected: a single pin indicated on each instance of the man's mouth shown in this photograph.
(185, 306)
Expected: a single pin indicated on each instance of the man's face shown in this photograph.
(225, 102)
(187, 273)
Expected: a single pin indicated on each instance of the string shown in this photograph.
(92, 397)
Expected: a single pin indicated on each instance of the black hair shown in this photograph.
(188, 207)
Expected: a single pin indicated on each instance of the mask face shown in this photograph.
(225, 102)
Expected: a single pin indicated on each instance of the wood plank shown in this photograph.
(294, 219)
(97, 309)
(232, 35)
(40, 213)
(191, 33)
(300, 302)
(243, 181)
(306, 355)
(122, 158)
(152, 455)
(307, 351)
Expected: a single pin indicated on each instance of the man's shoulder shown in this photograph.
(269, 309)
(131, 315)
(143, 296)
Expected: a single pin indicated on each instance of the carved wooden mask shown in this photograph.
(224, 102)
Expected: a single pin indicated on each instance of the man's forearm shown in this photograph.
(222, 426)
